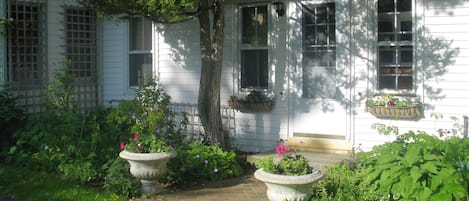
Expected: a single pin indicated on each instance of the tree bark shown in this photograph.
(211, 43)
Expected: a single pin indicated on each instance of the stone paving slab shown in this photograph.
(245, 188)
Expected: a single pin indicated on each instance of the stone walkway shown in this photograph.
(246, 188)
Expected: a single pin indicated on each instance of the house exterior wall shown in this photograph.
(441, 79)
(440, 57)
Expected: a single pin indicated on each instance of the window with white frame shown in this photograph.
(140, 51)
(254, 50)
(395, 45)
(319, 50)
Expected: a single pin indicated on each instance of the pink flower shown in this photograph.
(136, 135)
(122, 145)
(281, 149)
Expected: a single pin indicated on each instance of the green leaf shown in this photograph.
(430, 167)
(412, 156)
(424, 195)
(415, 174)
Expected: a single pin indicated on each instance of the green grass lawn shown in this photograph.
(27, 185)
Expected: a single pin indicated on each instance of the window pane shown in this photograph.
(405, 82)
(406, 55)
(385, 6)
(254, 69)
(386, 56)
(387, 82)
(140, 34)
(254, 25)
(404, 5)
(140, 69)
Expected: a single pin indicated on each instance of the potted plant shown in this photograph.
(153, 126)
(255, 101)
(391, 106)
(289, 177)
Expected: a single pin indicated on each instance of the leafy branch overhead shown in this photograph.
(161, 11)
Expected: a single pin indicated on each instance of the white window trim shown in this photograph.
(271, 76)
(130, 90)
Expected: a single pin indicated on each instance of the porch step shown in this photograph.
(320, 145)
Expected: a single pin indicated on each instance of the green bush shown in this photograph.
(198, 161)
(12, 117)
(418, 166)
(342, 183)
(118, 179)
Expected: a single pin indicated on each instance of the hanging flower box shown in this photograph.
(252, 103)
(389, 106)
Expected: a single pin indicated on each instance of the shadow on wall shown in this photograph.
(184, 51)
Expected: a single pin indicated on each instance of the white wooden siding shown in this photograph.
(445, 28)
(113, 60)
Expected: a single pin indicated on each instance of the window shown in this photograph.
(395, 49)
(26, 44)
(140, 53)
(319, 50)
(81, 41)
(254, 47)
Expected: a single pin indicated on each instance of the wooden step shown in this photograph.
(320, 145)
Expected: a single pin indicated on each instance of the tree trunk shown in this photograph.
(212, 52)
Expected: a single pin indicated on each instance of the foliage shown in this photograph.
(290, 164)
(4, 22)
(25, 184)
(118, 179)
(12, 115)
(200, 160)
(254, 97)
(63, 140)
(152, 122)
(418, 166)
(60, 91)
(390, 100)
(159, 11)
(342, 183)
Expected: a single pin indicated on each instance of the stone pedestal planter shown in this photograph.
(148, 167)
(291, 188)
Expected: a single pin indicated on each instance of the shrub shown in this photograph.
(12, 117)
(118, 179)
(342, 183)
(418, 166)
(199, 161)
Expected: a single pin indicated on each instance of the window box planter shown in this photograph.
(252, 103)
(390, 106)
(392, 112)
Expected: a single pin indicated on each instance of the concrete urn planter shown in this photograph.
(291, 188)
(148, 167)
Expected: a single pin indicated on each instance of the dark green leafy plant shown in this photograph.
(12, 117)
(118, 179)
(418, 166)
(343, 183)
(199, 161)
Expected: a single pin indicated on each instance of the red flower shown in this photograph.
(122, 146)
(136, 135)
(391, 103)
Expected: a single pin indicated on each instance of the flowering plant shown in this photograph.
(291, 164)
(153, 125)
(391, 101)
